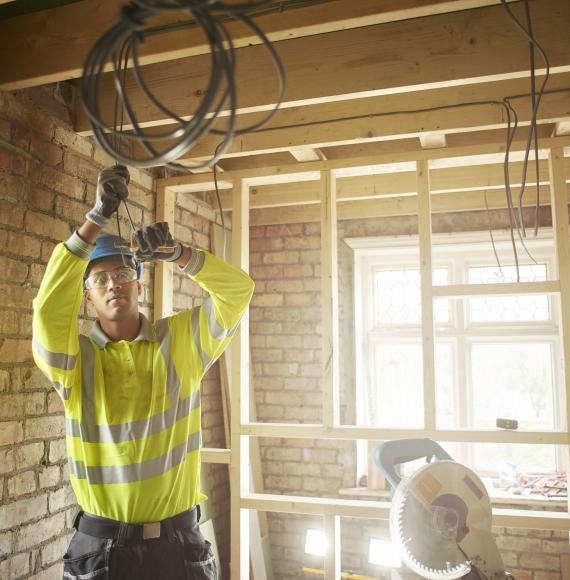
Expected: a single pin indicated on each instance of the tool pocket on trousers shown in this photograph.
(199, 561)
(86, 557)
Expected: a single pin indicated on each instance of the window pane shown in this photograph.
(508, 308)
(397, 386)
(513, 381)
(507, 460)
(396, 397)
(445, 380)
(397, 297)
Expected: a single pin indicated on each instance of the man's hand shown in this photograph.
(112, 188)
(151, 242)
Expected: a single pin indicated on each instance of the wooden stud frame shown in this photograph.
(242, 500)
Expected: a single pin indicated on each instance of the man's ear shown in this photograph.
(87, 295)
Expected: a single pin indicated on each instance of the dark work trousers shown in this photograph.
(173, 549)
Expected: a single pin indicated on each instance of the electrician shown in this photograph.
(131, 392)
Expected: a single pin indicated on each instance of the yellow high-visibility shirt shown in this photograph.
(132, 408)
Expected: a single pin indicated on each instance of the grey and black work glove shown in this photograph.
(112, 188)
(155, 243)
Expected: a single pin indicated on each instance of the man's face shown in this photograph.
(115, 301)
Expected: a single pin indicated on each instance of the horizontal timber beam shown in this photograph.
(63, 36)
(445, 180)
(390, 207)
(349, 432)
(373, 119)
(512, 518)
(303, 171)
(383, 59)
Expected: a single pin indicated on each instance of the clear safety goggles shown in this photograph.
(119, 276)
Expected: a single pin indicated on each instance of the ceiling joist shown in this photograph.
(398, 57)
(52, 45)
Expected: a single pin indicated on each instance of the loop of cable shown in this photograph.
(122, 42)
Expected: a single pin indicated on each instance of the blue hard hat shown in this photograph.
(110, 246)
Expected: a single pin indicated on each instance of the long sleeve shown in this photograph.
(213, 324)
(56, 307)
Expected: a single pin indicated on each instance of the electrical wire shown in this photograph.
(121, 43)
(532, 133)
(535, 103)
(491, 235)
(220, 204)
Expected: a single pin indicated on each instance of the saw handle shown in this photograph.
(392, 453)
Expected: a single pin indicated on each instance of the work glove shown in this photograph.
(152, 242)
(112, 188)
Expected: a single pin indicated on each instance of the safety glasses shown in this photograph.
(119, 276)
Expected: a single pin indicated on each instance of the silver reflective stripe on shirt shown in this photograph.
(206, 360)
(90, 432)
(106, 474)
(58, 360)
(216, 329)
(64, 392)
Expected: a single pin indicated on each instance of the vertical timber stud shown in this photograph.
(559, 205)
(332, 551)
(163, 275)
(428, 349)
(329, 281)
(239, 465)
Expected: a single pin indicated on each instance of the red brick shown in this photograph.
(13, 270)
(28, 455)
(50, 153)
(281, 258)
(22, 484)
(284, 230)
(11, 432)
(13, 188)
(12, 215)
(49, 476)
(80, 167)
(39, 532)
(9, 322)
(267, 272)
(47, 250)
(47, 226)
(70, 140)
(21, 244)
(16, 296)
(40, 198)
(35, 404)
(45, 427)
(11, 406)
(298, 271)
(13, 350)
(54, 551)
(58, 181)
(13, 162)
(55, 404)
(539, 561)
(57, 450)
(15, 567)
(73, 210)
(61, 498)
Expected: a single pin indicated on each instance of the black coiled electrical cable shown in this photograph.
(122, 42)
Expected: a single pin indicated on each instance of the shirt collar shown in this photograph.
(146, 332)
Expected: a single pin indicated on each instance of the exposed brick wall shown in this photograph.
(46, 186)
(286, 353)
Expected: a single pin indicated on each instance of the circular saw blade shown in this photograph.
(429, 518)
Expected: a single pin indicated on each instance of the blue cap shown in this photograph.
(109, 246)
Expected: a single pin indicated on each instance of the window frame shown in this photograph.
(457, 253)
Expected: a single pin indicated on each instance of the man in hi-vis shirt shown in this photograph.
(131, 392)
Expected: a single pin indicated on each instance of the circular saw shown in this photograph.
(440, 519)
